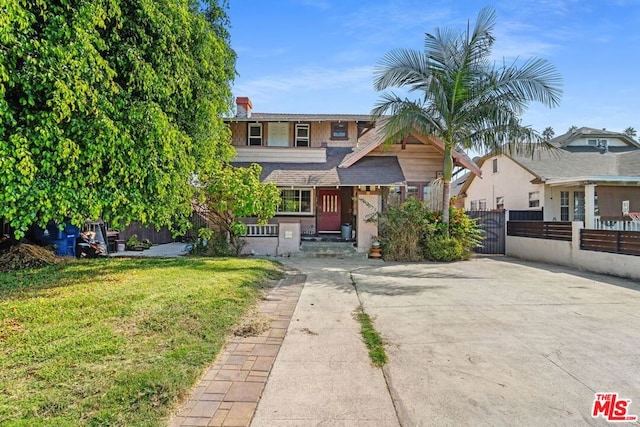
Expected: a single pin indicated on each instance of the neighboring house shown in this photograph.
(587, 178)
(333, 169)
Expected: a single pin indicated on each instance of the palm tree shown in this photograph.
(548, 133)
(465, 99)
(630, 132)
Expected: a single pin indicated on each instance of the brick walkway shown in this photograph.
(228, 394)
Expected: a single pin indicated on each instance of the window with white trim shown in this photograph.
(295, 201)
(578, 205)
(474, 205)
(500, 202)
(564, 206)
(534, 199)
(494, 165)
(302, 135)
(255, 134)
(482, 204)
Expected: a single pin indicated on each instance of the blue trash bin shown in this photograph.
(71, 245)
(61, 246)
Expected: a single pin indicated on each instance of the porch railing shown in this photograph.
(268, 230)
(616, 225)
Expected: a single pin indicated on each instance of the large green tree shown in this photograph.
(110, 107)
(465, 99)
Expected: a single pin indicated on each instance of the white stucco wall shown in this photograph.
(511, 182)
(368, 204)
(552, 202)
(288, 237)
(569, 254)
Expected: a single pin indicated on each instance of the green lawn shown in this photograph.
(116, 341)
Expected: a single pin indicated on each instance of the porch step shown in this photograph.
(322, 249)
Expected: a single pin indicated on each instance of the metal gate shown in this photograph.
(492, 223)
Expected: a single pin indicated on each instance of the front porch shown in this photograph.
(319, 217)
(602, 206)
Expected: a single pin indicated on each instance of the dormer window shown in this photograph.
(302, 135)
(339, 130)
(255, 134)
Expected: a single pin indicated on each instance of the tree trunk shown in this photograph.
(447, 171)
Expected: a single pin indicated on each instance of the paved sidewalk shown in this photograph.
(323, 374)
(228, 393)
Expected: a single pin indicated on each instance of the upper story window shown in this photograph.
(482, 204)
(495, 165)
(255, 134)
(500, 202)
(339, 130)
(302, 135)
(278, 134)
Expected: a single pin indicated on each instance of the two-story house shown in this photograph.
(334, 169)
(593, 176)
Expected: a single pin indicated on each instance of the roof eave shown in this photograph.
(594, 179)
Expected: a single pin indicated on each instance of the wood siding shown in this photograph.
(280, 154)
(610, 201)
(319, 134)
(419, 162)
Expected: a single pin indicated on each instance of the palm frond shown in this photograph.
(401, 67)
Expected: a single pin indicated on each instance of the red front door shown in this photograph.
(328, 211)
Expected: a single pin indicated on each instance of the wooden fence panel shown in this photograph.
(540, 230)
(619, 242)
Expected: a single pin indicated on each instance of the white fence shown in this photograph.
(268, 230)
(616, 225)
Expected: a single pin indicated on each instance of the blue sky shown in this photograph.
(318, 56)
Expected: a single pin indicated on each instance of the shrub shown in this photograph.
(404, 230)
(443, 248)
(411, 232)
(211, 243)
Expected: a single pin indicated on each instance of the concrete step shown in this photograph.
(321, 249)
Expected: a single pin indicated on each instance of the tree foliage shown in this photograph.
(110, 107)
(630, 132)
(465, 99)
(236, 192)
(548, 133)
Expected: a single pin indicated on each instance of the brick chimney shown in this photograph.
(244, 107)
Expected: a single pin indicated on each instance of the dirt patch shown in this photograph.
(252, 325)
(26, 256)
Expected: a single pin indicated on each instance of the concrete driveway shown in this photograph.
(496, 341)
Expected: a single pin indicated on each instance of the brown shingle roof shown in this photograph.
(369, 171)
(286, 117)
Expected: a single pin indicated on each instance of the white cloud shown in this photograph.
(307, 82)
(317, 4)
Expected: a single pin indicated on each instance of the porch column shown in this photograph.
(589, 206)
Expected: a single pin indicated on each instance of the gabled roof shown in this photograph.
(286, 117)
(374, 139)
(562, 166)
(586, 132)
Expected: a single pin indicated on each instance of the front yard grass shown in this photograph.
(116, 341)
